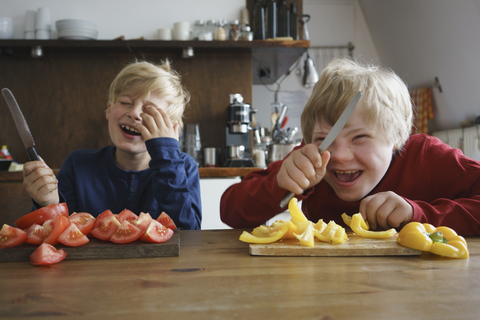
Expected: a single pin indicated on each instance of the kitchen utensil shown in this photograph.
(211, 157)
(165, 34)
(337, 127)
(278, 151)
(355, 246)
(98, 249)
(236, 152)
(21, 124)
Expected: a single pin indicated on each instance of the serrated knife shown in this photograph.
(21, 124)
(337, 127)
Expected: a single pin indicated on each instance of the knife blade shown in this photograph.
(337, 127)
(21, 124)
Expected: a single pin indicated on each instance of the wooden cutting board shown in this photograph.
(354, 246)
(98, 249)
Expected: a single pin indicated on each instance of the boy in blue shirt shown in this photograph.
(144, 170)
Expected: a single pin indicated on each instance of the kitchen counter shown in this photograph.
(215, 278)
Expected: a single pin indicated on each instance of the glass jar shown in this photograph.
(210, 30)
(221, 32)
(199, 30)
(234, 30)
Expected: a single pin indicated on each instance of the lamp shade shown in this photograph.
(310, 75)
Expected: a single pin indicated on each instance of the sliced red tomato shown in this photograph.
(54, 227)
(127, 215)
(126, 233)
(11, 236)
(143, 221)
(105, 214)
(83, 220)
(72, 236)
(156, 232)
(35, 234)
(47, 254)
(41, 215)
(106, 229)
(165, 219)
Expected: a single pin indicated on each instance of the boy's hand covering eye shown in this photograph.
(157, 124)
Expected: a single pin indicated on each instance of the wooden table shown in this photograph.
(215, 278)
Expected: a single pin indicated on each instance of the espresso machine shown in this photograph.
(238, 133)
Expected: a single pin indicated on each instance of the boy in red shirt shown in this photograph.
(373, 167)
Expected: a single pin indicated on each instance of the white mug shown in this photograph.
(165, 34)
(43, 34)
(30, 21)
(6, 28)
(181, 31)
(42, 19)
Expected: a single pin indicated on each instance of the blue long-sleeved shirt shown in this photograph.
(90, 181)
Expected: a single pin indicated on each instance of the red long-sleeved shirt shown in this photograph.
(441, 184)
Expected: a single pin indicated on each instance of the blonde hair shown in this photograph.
(385, 96)
(148, 77)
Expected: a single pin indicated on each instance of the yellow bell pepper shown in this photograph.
(296, 212)
(348, 221)
(306, 238)
(442, 241)
(330, 232)
(358, 222)
(266, 234)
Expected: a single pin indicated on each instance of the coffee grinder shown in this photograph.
(238, 132)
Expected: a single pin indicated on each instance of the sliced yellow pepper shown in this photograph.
(296, 212)
(330, 232)
(265, 234)
(348, 221)
(356, 226)
(442, 241)
(306, 238)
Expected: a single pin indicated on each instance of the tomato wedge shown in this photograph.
(165, 219)
(11, 236)
(41, 215)
(83, 220)
(143, 221)
(156, 232)
(127, 215)
(126, 233)
(107, 227)
(54, 227)
(105, 214)
(72, 236)
(35, 234)
(47, 254)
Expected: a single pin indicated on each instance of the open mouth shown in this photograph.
(130, 130)
(347, 176)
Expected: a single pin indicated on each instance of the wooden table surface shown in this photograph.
(215, 278)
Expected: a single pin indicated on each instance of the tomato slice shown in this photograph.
(105, 214)
(11, 236)
(126, 233)
(54, 227)
(41, 215)
(157, 232)
(72, 236)
(127, 215)
(106, 229)
(143, 221)
(83, 220)
(35, 234)
(47, 254)
(165, 219)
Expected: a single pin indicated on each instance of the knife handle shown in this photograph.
(32, 154)
(286, 199)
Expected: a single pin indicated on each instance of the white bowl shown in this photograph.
(69, 23)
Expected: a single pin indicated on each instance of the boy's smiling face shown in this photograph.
(123, 117)
(360, 156)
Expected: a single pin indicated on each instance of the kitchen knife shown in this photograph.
(21, 124)
(337, 127)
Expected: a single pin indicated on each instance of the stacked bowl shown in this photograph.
(74, 29)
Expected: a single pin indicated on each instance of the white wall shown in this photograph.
(421, 39)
